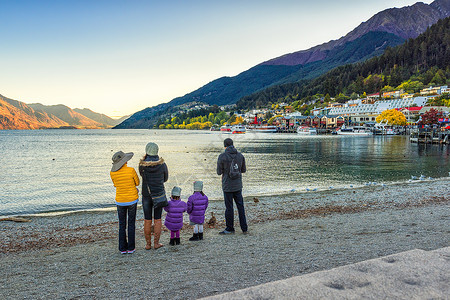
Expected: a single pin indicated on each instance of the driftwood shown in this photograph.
(15, 219)
(212, 222)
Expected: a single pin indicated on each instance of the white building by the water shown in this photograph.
(377, 107)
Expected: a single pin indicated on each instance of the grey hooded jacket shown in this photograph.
(223, 168)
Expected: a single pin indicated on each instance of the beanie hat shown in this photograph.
(176, 191)
(198, 186)
(228, 142)
(151, 149)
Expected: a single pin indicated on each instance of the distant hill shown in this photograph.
(17, 115)
(68, 115)
(100, 118)
(388, 28)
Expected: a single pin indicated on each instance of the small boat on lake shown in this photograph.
(225, 128)
(354, 130)
(306, 130)
(238, 129)
(262, 128)
(384, 129)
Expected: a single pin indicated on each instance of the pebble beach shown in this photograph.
(75, 255)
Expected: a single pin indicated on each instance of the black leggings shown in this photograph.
(147, 205)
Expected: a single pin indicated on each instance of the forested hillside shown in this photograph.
(425, 59)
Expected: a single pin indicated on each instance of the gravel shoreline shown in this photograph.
(76, 256)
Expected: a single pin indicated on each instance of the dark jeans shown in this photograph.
(123, 211)
(229, 212)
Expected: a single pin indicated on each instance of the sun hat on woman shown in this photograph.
(151, 149)
(119, 159)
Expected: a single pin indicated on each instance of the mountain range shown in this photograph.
(19, 115)
(419, 62)
(387, 28)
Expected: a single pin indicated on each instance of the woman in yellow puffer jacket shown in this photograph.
(125, 181)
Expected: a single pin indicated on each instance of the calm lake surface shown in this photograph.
(64, 170)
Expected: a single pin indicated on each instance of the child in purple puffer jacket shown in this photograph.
(196, 207)
(174, 217)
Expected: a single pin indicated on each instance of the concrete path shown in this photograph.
(414, 274)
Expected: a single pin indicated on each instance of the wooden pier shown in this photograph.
(429, 136)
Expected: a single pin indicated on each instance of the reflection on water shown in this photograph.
(50, 170)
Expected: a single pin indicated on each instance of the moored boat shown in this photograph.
(262, 128)
(238, 129)
(225, 128)
(306, 130)
(384, 129)
(354, 130)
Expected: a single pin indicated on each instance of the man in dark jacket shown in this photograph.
(232, 184)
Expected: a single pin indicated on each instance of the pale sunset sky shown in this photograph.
(118, 57)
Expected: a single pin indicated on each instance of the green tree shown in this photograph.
(341, 98)
(439, 78)
(411, 86)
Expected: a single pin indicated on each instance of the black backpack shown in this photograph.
(235, 168)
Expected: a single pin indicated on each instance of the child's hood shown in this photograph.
(176, 201)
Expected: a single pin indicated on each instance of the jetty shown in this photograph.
(430, 136)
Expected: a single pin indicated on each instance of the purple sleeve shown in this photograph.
(189, 205)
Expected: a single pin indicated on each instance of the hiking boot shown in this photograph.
(195, 237)
(226, 232)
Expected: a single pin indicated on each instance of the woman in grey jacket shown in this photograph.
(154, 173)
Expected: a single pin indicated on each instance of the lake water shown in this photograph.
(64, 170)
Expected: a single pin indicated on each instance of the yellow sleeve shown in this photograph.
(136, 178)
(112, 178)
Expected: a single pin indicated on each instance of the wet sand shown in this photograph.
(76, 256)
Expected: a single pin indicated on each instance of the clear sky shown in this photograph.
(118, 57)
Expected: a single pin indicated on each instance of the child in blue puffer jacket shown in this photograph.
(174, 217)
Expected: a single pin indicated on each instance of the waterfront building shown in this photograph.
(372, 97)
(377, 107)
(393, 94)
(315, 111)
(411, 113)
(361, 118)
(444, 109)
(437, 90)
(331, 121)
